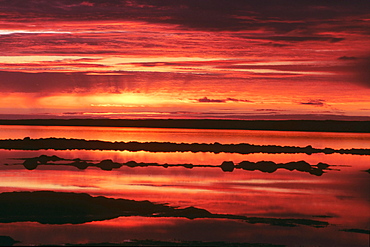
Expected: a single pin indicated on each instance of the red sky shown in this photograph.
(235, 59)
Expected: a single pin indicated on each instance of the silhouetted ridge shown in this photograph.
(226, 166)
(242, 148)
(363, 231)
(281, 125)
(178, 243)
(48, 207)
(7, 241)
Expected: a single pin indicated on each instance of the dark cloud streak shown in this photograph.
(314, 102)
(212, 15)
(347, 58)
(207, 100)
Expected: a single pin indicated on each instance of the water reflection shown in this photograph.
(289, 199)
(226, 166)
(48, 207)
(112, 134)
(180, 232)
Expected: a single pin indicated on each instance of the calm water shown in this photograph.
(284, 138)
(339, 196)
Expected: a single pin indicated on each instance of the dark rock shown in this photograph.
(227, 166)
(30, 164)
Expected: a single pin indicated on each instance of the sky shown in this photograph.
(219, 59)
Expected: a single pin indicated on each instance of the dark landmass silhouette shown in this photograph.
(179, 243)
(7, 241)
(226, 166)
(323, 216)
(49, 207)
(242, 148)
(279, 125)
(270, 167)
(356, 230)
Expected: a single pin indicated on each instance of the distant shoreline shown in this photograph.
(242, 148)
(272, 125)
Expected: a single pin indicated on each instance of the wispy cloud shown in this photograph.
(204, 15)
(314, 102)
(347, 58)
(199, 56)
(207, 100)
(269, 110)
